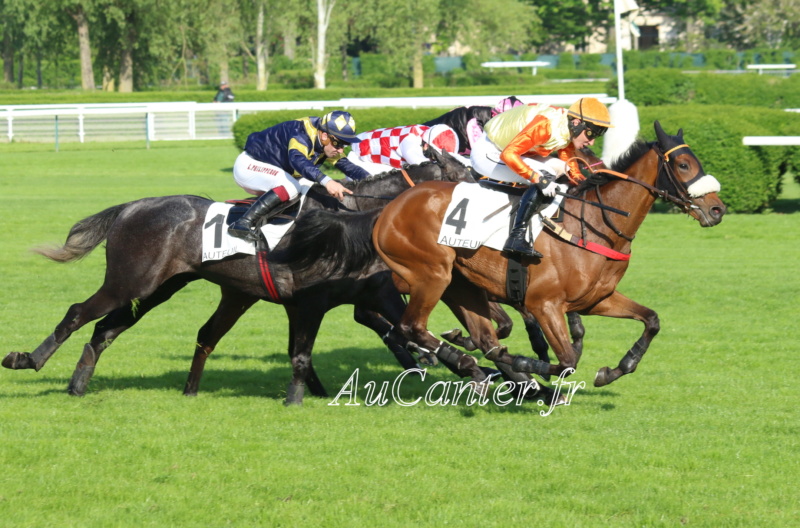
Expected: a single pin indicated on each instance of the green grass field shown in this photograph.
(704, 433)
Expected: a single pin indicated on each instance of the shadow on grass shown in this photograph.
(335, 369)
(786, 205)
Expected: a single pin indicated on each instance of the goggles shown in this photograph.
(336, 142)
(593, 131)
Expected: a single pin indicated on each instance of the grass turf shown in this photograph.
(705, 433)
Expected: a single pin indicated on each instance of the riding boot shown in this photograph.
(244, 227)
(529, 203)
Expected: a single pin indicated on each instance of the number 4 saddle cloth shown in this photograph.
(478, 216)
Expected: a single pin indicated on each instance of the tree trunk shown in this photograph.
(8, 56)
(345, 64)
(290, 40)
(84, 45)
(126, 69)
(126, 56)
(39, 82)
(324, 8)
(419, 77)
(108, 80)
(261, 52)
(21, 70)
(224, 71)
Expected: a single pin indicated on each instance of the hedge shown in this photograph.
(659, 86)
(750, 176)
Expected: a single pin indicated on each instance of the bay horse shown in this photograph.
(571, 277)
(153, 249)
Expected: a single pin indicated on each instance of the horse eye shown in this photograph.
(683, 166)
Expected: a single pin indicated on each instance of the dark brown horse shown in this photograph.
(571, 277)
(153, 249)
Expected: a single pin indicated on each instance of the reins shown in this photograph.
(405, 176)
(663, 166)
(681, 200)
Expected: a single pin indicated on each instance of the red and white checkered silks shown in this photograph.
(382, 145)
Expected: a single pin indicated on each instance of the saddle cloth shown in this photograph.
(218, 244)
(477, 216)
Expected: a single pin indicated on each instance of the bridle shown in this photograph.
(665, 172)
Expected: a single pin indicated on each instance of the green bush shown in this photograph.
(566, 61)
(660, 86)
(750, 176)
(722, 59)
(655, 86)
(294, 78)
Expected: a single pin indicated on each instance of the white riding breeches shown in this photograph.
(485, 157)
(257, 177)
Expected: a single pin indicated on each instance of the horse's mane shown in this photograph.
(624, 161)
(329, 243)
(621, 163)
(383, 175)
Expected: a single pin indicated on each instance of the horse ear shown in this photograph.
(680, 133)
(660, 134)
(432, 153)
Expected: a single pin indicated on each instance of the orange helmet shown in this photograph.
(594, 117)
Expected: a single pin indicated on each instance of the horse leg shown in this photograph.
(576, 331)
(311, 381)
(497, 314)
(112, 325)
(393, 340)
(619, 306)
(96, 306)
(232, 305)
(303, 330)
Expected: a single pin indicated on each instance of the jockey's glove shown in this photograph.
(545, 179)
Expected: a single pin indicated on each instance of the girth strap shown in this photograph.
(266, 277)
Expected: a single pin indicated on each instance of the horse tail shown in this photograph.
(331, 243)
(84, 236)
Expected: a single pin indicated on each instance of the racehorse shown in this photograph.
(577, 273)
(153, 249)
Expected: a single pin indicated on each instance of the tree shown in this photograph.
(320, 55)
(569, 22)
(770, 23)
(694, 14)
(78, 10)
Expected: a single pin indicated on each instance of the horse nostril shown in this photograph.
(717, 212)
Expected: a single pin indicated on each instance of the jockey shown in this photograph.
(468, 121)
(515, 148)
(385, 149)
(274, 158)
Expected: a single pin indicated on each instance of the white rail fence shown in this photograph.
(191, 120)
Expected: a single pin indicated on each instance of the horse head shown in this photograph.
(681, 175)
(452, 169)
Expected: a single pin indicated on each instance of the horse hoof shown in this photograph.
(428, 359)
(17, 361)
(294, 395)
(603, 377)
(452, 335)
